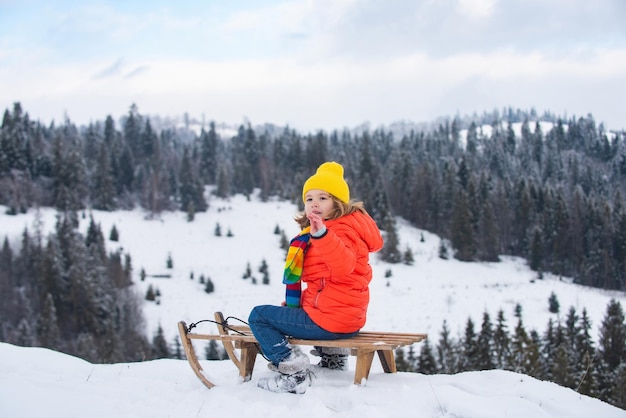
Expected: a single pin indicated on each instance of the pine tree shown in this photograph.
(264, 270)
(6, 271)
(585, 355)
(488, 234)
(472, 139)
(208, 155)
(114, 234)
(248, 273)
(103, 194)
(536, 252)
(53, 275)
(561, 372)
(462, 235)
(446, 356)
(150, 295)
(533, 363)
(212, 351)
(24, 334)
(618, 394)
(125, 177)
(48, 331)
(411, 359)
(95, 242)
(619, 245)
(501, 344)
(402, 365)
(149, 147)
(548, 350)
(484, 360)
(69, 177)
(408, 258)
(572, 338)
(443, 250)
(519, 346)
(470, 354)
(553, 303)
(209, 287)
(390, 252)
(522, 215)
(132, 132)
(223, 185)
(178, 352)
(191, 188)
(160, 348)
(426, 363)
(611, 351)
(612, 344)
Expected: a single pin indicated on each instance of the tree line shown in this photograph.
(65, 292)
(553, 198)
(565, 353)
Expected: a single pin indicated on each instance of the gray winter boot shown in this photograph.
(332, 358)
(286, 383)
(292, 374)
(296, 362)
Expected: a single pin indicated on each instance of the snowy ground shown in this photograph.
(417, 298)
(38, 383)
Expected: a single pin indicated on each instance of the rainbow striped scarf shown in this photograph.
(293, 268)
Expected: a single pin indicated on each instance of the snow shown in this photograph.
(36, 382)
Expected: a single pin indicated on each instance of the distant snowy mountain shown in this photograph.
(227, 129)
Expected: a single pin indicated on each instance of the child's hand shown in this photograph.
(317, 222)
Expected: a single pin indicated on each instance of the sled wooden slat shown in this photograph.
(364, 346)
(191, 355)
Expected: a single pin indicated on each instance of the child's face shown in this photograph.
(318, 202)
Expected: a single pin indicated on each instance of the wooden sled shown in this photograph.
(239, 337)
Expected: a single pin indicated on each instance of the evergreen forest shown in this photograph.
(553, 196)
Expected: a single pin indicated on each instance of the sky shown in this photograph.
(36, 382)
(312, 64)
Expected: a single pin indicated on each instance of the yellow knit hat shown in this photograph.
(328, 177)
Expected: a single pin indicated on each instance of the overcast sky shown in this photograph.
(313, 64)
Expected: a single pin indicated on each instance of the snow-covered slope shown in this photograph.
(417, 298)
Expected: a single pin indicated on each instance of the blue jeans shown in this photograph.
(272, 324)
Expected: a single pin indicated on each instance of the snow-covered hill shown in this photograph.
(416, 298)
(39, 383)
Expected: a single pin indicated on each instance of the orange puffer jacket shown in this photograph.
(337, 273)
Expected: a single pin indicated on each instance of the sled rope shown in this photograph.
(223, 323)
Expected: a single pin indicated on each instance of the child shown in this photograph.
(331, 255)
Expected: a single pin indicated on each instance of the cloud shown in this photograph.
(477, 9)
(137, 71)
(320, 63)
(111, 70)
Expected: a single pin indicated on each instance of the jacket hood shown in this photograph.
(366, 229)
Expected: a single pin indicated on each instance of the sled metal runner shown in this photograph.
(239, 338)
